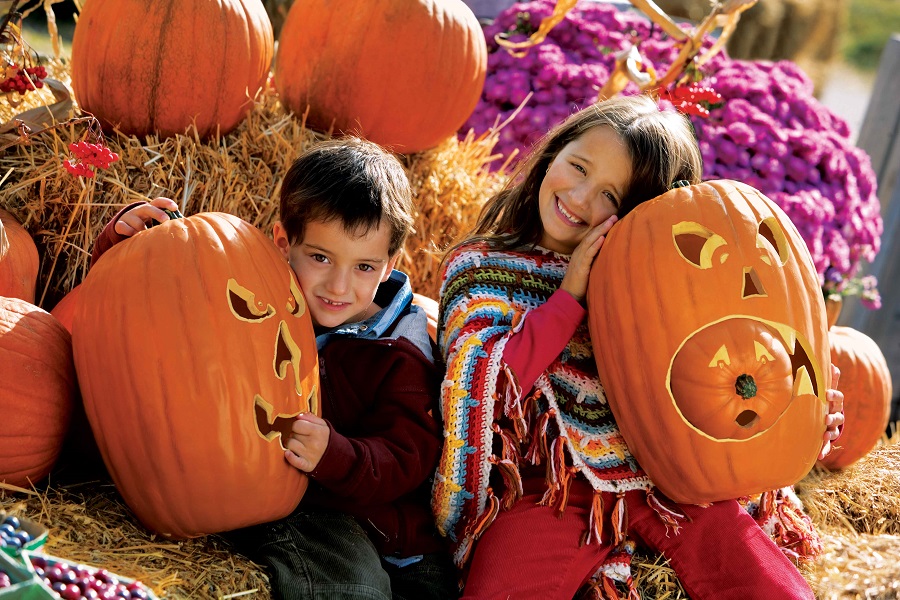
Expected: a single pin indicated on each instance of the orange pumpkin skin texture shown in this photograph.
(157, 67)
(37, 383)
(64, 311)
(19, 261)
(195, 352)
(866, 383)
(708, 327)
(405, 75)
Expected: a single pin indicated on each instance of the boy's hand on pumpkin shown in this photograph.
(577, 275)
(834, 420)
(308, 441)
(137, 218)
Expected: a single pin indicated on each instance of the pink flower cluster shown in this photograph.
(771, 132)
(89, 155)
(774, 135)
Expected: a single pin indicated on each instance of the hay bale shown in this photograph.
(90, 524)
(863, 498)
(239, 173)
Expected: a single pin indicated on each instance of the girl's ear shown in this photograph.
(279, 236)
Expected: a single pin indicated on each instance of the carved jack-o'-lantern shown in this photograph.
(194, 352)
(709, 331)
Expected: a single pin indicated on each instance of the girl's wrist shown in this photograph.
(576, 297)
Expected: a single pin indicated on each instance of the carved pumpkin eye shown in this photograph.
(244, 305)
(696, 244)
(296, 304)
(771, 237)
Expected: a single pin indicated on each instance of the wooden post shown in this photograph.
(880, 138)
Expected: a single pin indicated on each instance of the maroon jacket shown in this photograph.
(378, 397)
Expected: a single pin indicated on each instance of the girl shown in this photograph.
(546, 516)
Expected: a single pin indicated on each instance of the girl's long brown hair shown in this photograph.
(663, 150)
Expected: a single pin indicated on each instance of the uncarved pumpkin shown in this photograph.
(64, 311)
(37, 382)
(157, 67)
(708, 327)
(405, 75)
(195, 352)
(866, 383)
(19, 261)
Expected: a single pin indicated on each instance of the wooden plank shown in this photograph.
(883, 325)
(881, 124)
(880, 138)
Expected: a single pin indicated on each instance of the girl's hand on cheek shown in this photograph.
(576, 279)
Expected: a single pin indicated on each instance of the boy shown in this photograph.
(364, 527)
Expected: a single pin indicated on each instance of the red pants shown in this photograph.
(528, 553)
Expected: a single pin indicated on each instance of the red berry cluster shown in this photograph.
(25, 80)
(5, 581)
(692, 99)
(88, 155)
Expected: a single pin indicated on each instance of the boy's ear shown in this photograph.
(279, 235)
(390, 266)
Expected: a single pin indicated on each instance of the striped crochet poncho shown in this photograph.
(490, 426)
(565, 424)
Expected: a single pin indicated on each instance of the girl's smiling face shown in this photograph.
(339, 273)
(583, 187)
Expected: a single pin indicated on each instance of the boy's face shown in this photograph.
(339, 273)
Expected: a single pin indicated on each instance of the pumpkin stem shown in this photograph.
(745, 386)
(173, 214)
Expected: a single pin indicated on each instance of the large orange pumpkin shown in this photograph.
(19, 261)
(405, 75)
(158, 66)
(37, 381)
(195, 352)
(708, 327)
(866, 384)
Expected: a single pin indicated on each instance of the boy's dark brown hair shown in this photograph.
(350, 180)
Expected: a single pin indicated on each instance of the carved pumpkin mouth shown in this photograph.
(735, 378)
(269, 425)
(747, 418)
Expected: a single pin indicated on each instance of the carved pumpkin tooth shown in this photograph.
(721, 358)
(762, 352)
(258, 402)
(312, 401)
(262, 409)
(802, 382)
(788, 336)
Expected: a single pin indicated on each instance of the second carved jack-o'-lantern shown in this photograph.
(709, 331)
(194, 352)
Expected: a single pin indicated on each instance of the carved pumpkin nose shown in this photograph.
(287, 352)
(753, 287)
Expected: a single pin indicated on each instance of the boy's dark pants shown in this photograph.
(321, 555)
